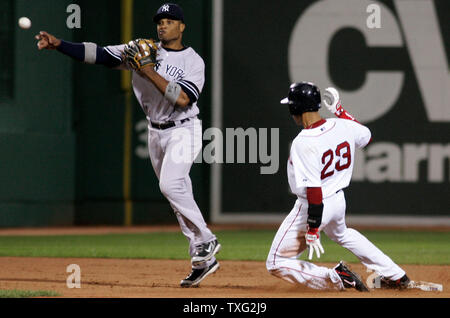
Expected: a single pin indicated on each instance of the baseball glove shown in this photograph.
(140, 53)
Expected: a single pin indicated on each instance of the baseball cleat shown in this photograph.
(386, 283)
(349, 278)
(197, 275)
(205, 252)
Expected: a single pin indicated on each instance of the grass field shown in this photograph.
(16, 293)
(415, 247)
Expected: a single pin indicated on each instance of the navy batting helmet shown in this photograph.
(302, 97)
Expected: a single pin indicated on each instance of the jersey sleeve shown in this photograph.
(362, 133)
(306, 164)
(115, 51)
(194, 79)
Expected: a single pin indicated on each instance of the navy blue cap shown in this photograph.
(169, 11)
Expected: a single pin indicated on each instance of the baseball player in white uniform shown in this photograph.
(319, 168)
(168, 78)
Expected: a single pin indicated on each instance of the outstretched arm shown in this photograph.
(86, 52)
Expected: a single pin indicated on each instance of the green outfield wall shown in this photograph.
(37, 141)
(62, 122)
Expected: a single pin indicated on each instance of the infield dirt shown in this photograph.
(137, 278)
(140, 278)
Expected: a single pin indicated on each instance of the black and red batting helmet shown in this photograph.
(303, 97)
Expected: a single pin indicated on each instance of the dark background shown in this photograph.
(256, 78)
(62, 122)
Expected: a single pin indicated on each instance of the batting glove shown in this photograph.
(313, 242)
(331, 100)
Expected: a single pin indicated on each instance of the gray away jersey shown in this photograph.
(185, 67)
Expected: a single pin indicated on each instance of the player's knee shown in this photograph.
(269, 265)
(274, 272)
(166, 187)
(169, 187)
(272, 263)
(273, 268)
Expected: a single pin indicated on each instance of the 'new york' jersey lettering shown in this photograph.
(174, 72)
(185, 67)
(324, 156)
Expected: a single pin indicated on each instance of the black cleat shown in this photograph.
(197, 275)
(349, 278)
(205, 252)
(386, 283)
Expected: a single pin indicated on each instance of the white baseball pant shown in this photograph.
(289, 244)
(172, 153)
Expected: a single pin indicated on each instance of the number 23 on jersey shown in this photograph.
(343, 152)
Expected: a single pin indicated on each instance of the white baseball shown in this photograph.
(24, 23)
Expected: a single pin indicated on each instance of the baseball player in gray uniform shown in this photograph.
(168, 78)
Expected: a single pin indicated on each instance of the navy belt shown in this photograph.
(168, 124)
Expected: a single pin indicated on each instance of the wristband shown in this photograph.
(90, 52)
(342, 113)
(315, 215)
(173, 91)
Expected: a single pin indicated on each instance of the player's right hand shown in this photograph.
(312, 238)
(331, 99)
(47, 41)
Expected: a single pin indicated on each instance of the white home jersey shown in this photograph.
(323, 156)
(185, 67)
